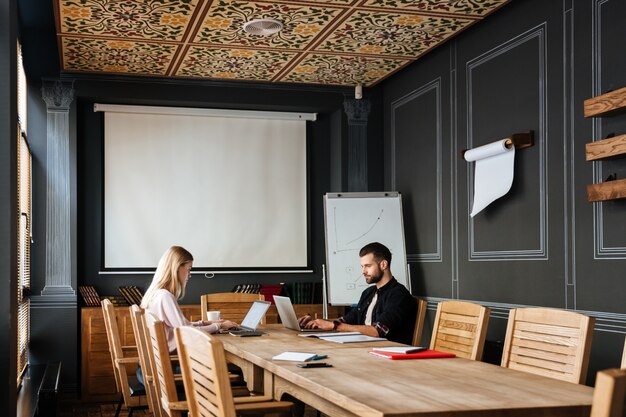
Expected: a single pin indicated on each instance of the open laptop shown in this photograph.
(251, 321)
(288, 315)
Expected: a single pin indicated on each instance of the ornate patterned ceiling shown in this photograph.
(338, 42)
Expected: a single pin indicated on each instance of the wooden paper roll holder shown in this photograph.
(519, 140)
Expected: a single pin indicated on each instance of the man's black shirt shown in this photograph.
(393, 315)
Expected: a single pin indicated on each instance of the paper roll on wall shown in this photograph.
(493, 174)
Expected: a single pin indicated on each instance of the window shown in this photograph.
(25, 222)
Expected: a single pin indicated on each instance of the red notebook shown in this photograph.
(425, 354)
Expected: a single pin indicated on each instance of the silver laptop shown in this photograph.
(253, 318)
(288, 314)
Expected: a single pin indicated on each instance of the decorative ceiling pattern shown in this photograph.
(337, 42)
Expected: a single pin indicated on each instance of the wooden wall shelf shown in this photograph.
(610, 190)
(606, 104)
(606, 148)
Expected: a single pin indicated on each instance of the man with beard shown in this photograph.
(386, 309)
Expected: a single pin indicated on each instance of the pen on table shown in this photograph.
(318, 357)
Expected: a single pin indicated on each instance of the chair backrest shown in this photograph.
(232, 305)
(460, 327)
(624, 356)
(205, 373)
(608, 396)
(113, 339)
(145, 358)
(549, 342)
(419, 321)
(162, 368)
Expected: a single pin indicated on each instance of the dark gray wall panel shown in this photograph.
(600, 245)
(416, 142)
(510, 83)
(496, 106)
(609, 61)
(418, 134)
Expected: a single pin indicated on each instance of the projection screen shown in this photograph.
(229, 186)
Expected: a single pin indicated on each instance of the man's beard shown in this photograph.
(373, 279)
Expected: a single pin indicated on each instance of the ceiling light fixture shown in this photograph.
(263, 27)
(358, 92)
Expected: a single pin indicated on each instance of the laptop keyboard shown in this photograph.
(245, 333)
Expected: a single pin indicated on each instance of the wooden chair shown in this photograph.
(609, 393)
(549, 342)
(133, 393)
(205, 376)
(232, 305)
(460, 327)
(145, 358)
(162, 368)
(419, 321)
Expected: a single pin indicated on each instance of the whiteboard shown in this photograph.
(352, 220)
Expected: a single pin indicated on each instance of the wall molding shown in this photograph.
(601, 249)
(569, 161)
(434, 85)
(605, 321)
(537, 33)
(53, 301)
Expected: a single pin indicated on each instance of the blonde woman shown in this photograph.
(167, 287)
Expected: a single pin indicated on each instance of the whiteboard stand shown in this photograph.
(408, 277)
(324, 294)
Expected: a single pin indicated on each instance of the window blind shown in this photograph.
(24, 192)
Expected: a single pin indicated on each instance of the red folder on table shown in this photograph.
(425, 354)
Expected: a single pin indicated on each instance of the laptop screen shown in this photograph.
(255, 314)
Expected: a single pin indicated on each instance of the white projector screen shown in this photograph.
(232, 190)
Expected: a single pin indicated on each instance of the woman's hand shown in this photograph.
(209, 322)
(227, 324)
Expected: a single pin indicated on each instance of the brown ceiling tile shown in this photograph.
(342, 70)
(223, 24)
(150, 20)
(393, 34)
(462, 7)
(116, 56)
(233, 63)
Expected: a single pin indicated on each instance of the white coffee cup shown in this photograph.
(213, 315)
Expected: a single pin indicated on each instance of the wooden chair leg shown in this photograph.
(119, 406)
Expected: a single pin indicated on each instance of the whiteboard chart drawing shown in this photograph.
(352, 221)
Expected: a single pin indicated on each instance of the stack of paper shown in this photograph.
(351, 338)
(327, 334)
(294, 356)
(399, 349)
(426, 354)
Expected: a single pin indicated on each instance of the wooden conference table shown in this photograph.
(361, 384)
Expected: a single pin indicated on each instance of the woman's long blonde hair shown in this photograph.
(166, 275)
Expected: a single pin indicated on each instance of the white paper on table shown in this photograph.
(493, 173)
(294, 356)
(352, 339)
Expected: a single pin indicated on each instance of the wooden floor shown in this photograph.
(80, 409)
